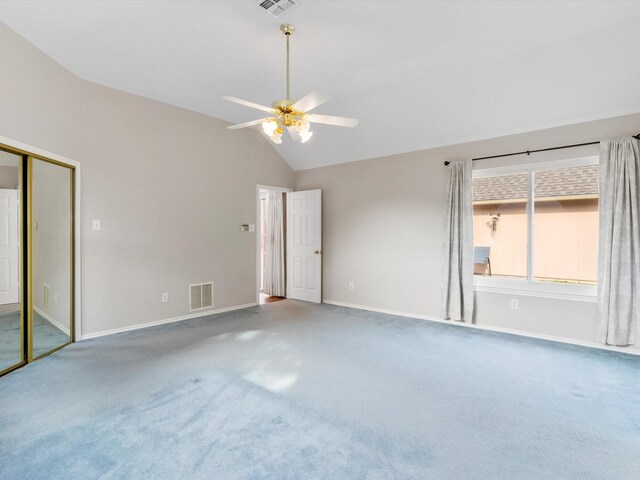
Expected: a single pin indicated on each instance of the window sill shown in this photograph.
(576, 293)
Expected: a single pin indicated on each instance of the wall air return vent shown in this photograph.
(277, 8)
(200, 296)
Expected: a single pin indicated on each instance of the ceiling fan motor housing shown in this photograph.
(287, 28)
(284, 102)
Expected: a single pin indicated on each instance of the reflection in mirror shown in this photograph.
(11, 327)
(51, 204)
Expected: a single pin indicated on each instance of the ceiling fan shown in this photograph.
(290, 114)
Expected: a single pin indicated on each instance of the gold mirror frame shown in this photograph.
(26, 254)
(21, 249)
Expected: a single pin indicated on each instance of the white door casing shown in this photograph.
(304, 245)
(9, 247)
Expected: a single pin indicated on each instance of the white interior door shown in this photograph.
(9, 247)
(304, 245)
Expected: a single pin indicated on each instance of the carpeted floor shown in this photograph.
(292, 390)
(10, 340)
(46, 337)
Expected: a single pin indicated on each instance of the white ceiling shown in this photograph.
(417, 74)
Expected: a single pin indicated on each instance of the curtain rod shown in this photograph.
(529, 152)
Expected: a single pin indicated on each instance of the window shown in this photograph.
(500, 225)
(536, 227)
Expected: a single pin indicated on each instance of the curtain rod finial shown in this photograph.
(446, 164)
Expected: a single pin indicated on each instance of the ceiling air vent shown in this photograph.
(200, 296)
(277, 8)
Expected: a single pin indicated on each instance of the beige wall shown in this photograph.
(565, 238)
(9, 177)
(508, 245)
(170, 186)
(383, 229)
(51, 200)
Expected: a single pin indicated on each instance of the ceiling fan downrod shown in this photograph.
(287, 29)
(288, 114)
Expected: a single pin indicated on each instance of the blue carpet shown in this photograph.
(292, 390)
(10, 340)
(46, 337)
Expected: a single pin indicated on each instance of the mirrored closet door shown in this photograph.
(37, 252)
(51, 256)
(12, 353)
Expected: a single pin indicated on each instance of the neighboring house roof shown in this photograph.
(582, 181)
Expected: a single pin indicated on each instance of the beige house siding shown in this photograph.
(565, 238)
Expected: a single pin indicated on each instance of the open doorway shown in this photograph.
(271, 285)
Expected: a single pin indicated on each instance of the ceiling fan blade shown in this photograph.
(293, 133)
(246, 103)
(331, 120)
(247, 124)
(311, 101)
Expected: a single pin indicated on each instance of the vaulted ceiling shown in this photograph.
(416, 74)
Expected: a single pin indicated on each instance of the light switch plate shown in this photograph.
(97, 225)
(252, 228)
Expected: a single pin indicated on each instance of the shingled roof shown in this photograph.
(549, 183)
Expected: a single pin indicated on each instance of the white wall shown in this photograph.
(383, 224)
(170, 186)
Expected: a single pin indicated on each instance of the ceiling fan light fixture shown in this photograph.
(289, 113)
(303, 126)
(276, 136)
(269, 126)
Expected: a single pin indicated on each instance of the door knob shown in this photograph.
(318, 252)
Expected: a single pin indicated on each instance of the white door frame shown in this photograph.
(258, 272)
(77, 223)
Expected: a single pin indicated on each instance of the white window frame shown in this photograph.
(528, 286)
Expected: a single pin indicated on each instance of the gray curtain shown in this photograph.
(619, 243)
(274, 266)
(458, 244)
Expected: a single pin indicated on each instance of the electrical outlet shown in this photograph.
(165, 297)
(514, 304)
(352, 285)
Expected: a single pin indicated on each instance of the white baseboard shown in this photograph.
(52, 320)
(165, 321)
(627, 350)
